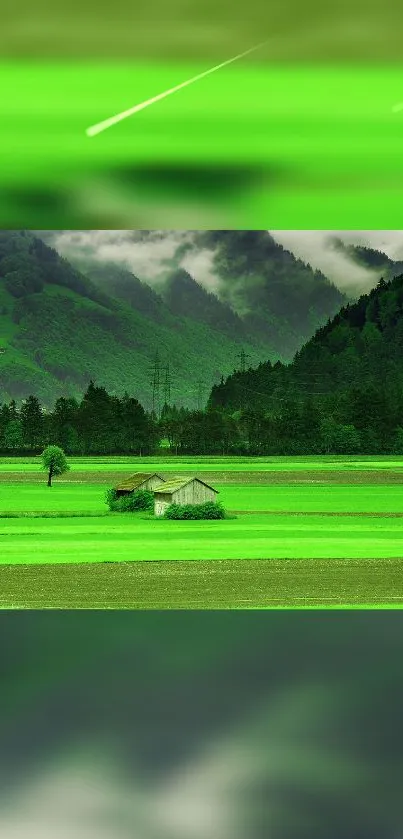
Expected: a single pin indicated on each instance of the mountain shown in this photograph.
(280, 300)
(120, 283)
(343, 393)
(374, 260)
(275, 293)
(361, 348)
(187, 298)
(59, 329)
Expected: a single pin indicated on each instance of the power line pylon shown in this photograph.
(199, 395)
(156, 386)
(242, 358)
(167, 386)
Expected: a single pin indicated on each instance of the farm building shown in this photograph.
(141, 480)
(182, 491)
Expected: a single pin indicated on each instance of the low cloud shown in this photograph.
(152, 254)
(314, 246)
(149, 254)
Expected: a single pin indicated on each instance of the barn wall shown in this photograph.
(194, 493)
(161, 502)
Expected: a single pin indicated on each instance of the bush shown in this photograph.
(209, 510)
(140, 500)
(110, 498)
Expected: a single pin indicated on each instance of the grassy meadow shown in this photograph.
(301, 532)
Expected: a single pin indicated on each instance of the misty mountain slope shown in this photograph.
(178, 296)
(187, 298)
(376, 261)
(120, 283)
(59, 330)
(274, 292)
(280, 299)
(361, 347)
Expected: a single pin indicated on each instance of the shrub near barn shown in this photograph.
(209, 510)
(141, 500)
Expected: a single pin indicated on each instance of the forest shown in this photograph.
(367, 422)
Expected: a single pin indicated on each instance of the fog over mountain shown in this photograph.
(316, 247)
(151, 254)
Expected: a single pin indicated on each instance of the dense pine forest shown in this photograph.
(367, 421)
(343, 393)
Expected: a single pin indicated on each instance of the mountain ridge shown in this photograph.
(60, 330)
(63, 326)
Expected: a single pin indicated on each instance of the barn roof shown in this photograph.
(137, 480)
(173, 485)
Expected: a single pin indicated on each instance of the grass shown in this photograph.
(125, 538)
(304, 542)
(219, 464)
(128, 538)
(300, 498)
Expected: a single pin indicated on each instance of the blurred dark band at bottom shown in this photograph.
(232, 725)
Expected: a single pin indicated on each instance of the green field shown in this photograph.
(16, 465)
(70, 497)
(297, 541)
(257, 145)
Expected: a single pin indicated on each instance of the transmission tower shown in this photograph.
(242, 358)
(156, 385)
(167, 386)
(199, 395)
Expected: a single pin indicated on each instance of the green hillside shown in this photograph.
(58, 330)
(343, 393)
(187, 298)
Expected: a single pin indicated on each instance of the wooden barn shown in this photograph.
(182, 491)
(141, 480)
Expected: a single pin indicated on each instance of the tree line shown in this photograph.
(99, 424)
(365, 420)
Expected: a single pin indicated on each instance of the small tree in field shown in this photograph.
(54, 461)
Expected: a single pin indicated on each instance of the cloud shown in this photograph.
(149, 254)
(152, 254)
(144, 252)
(313, 246)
